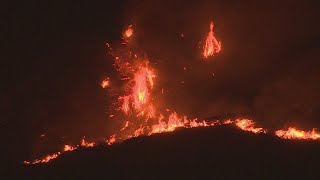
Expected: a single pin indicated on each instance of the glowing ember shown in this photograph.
(293, 133)
(137, 132)
(248, 125)
(125, 105)
(111, 140)
(85, 143)
(125, 126)
(128, 32)
(139, 89)
(142, 78)
(105, 83)
(212, 45)
(44, 160)
(69, 148)
(229, 121)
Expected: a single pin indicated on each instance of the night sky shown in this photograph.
(268, 69)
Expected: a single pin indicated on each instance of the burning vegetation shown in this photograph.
(294, 133)
(212, 46)
(137, 108)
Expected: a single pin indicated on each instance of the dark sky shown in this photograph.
(56, 58)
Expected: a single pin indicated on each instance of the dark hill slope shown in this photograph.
(200, 153)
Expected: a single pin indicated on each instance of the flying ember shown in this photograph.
(212, 46)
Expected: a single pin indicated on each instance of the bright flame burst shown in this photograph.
(105, 83)
(293, 133)
(137, 105)
(128, 32)
(212, 45)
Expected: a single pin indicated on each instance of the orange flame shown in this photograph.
(249, 125)
(125, 126)
(105, 83)
(212, 45)
(111, 140)
(128, 32)
(229, 121)
(293, 133)
(125, 105)
(140, 89)
(85, 143)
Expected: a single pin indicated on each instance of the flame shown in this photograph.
(125, 126)
(125, 105)
(248, 125)
(105, 83)
(111, 140)
(128, 32)
(294, 133)
(85, 143)
(229, 121)
(69, 148)
(141, 90)
(212, 45)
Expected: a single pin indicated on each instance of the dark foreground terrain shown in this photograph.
(201, 153)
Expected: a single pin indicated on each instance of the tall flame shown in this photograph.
(212, 45)
(140, 89)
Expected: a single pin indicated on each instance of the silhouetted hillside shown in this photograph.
(200, 153)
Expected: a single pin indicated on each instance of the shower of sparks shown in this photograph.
(136, 106)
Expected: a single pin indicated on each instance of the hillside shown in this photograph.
(215, 153)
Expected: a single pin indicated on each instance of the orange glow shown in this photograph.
(105, 83)
(69, 148)
(248, 125)
(85, 143)
(294, 133)
(142, 79)
(111, 140)
(128, 32)
(125, 126)
(138, 132)
(125, 105)
(229, 121)
(212, 45)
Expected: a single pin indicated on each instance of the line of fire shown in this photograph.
(142, 116)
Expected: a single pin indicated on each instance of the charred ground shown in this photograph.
(217, 152)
